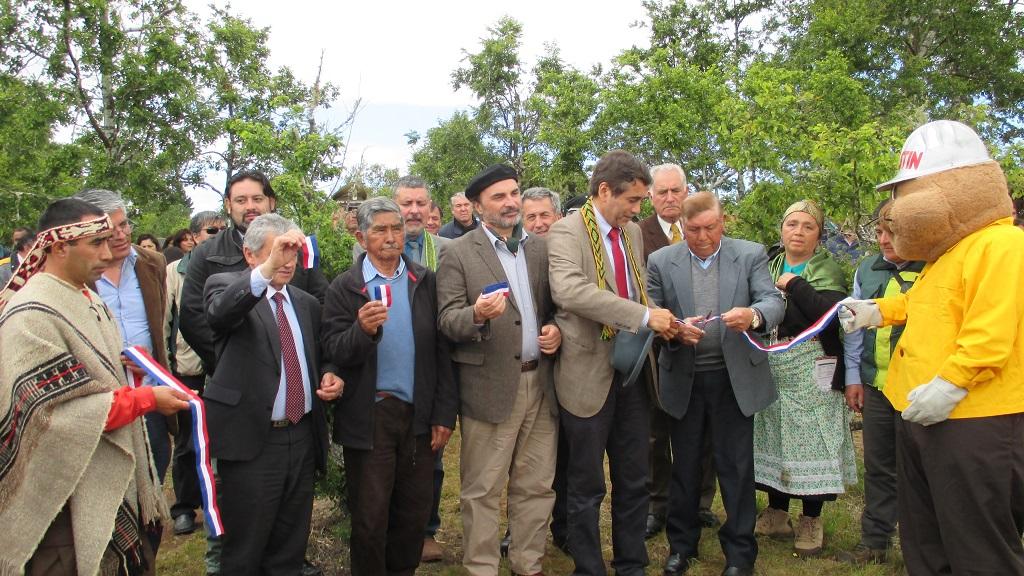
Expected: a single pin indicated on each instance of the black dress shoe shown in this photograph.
(655, 524)
(505, 543)
(737, 571)
(310, 569)
(708, 519)
(676, 565)
(184, 524)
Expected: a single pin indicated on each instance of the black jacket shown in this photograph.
(223, 253)
(240, 396)
(435, 397)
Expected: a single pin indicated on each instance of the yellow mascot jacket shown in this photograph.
(965, 323)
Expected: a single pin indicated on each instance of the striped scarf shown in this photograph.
(597, 249)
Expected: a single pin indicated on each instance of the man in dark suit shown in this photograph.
(267, 426)
(667, 192)
(503, 347)
(380, 328)
(714, 380)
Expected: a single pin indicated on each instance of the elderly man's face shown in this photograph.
(538, 215)
(385, 238)
(121, 241)
(415, 206)
(667, 194)
(462, 210)
(282, 275)
(703, 232)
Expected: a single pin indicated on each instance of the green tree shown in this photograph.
(33, 169)
(130, 73)
(497, 77)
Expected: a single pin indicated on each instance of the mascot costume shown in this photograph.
(957, 373)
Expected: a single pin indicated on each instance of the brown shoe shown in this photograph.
(863, 554)
(432, 551)
(809, 536)
(774, 523)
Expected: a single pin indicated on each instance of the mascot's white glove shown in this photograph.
(857, 314)
(931, 403)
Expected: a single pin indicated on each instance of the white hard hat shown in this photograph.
(935, 147)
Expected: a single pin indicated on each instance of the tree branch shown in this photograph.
(82, 95)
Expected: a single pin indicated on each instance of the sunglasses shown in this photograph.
(214, 229)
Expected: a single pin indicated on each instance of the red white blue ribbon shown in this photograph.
(382, 292)
(811, 331)
(200, 438)
(310, 253)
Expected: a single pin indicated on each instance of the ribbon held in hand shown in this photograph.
(200, 438)
(383, 293)
(811, 331)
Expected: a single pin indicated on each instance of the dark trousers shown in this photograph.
(434, 524)
(559, 512)
(621, 428)
(713, 408)
(961, 486)
(660, 475)
(160, 444)
(187, 494)
(389, 490)
(267, 504)
(878, 522)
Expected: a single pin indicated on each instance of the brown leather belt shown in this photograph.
(531, 365)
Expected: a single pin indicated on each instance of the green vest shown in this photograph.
(879, 279)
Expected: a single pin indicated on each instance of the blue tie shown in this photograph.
(412, 250)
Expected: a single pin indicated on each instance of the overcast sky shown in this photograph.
(398, 55)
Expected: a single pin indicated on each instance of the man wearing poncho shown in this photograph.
(77, 484)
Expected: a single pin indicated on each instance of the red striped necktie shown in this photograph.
(294, 396)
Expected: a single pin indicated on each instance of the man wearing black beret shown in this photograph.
(494, 304)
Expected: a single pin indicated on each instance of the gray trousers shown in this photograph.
(878, 522)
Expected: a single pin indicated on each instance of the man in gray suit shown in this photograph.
(714, 380)
(598, 413)
(504, 342)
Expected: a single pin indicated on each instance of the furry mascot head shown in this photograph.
(946, 188)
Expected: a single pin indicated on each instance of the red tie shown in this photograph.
(620, 264)
(294, 396)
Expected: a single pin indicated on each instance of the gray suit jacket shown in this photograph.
(743, 280)
(487, 359)
(583, 372)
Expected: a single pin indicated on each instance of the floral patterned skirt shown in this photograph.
(802, 442)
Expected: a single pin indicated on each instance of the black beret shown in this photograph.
(488, 176)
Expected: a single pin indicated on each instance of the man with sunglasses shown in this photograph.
(187, 368)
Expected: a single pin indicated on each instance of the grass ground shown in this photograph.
(183, 555)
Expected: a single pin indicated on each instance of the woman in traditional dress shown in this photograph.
(802, 443)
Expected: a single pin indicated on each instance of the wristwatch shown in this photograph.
(756, 321)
